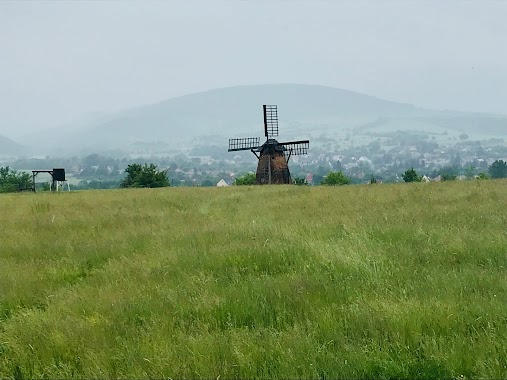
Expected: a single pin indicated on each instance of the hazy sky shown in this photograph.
(60, 60)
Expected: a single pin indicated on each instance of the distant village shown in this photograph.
(381, 159)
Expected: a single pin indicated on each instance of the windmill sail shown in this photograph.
(270, 121)
(247, 143)
(296, 148)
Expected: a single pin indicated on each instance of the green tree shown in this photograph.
(411, 176)
(144, 176)
(247, 179)
(498, 169)
(12, 180)
(335, 178)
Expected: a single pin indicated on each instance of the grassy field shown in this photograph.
(367, 281)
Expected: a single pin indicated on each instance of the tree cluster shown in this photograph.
(498, 169)
(144, 176)
(13, 180)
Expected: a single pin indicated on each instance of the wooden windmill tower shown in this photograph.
(273, 156)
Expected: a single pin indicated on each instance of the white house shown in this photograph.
(222, 183)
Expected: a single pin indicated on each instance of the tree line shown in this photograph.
(149, 176)
(498, 169)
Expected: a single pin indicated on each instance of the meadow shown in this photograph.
(364, 281)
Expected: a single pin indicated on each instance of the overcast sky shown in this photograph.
(62, 60)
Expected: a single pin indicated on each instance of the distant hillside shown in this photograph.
(237, 111)
(9, 147)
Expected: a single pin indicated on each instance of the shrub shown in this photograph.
(335, 178)
(300, 181)
(247, 179)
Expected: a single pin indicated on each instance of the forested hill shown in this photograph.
(237, 111)
(9, 147)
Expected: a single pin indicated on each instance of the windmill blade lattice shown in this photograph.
(270, 121)
(247, 143)
(296, 148)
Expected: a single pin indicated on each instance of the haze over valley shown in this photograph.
(211, 117)
(375, 86)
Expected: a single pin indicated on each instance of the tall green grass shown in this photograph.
(373, 281)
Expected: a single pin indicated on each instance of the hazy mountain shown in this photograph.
(9, 147)
(303, 110)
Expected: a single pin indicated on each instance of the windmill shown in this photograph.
(273, 156)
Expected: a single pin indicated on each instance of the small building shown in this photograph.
(222, 183)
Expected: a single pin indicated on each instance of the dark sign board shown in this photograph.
(58, 174)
